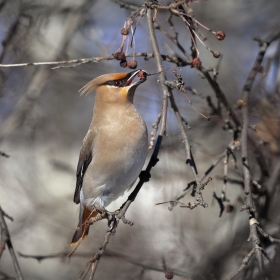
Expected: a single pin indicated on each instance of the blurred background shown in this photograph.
(43, 122)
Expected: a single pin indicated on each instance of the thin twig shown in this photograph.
(4, 155)
(266, 235)
(190, 159)
(160, 68)
(168, 93)
(61, 255)
(5, 276)
(155, 130)
(126, 5)
(175, 41)
(6, 240)
(80, 61)
(244, 264)
(108, 254)
(213, 83)
(94, 262)
(165, 7)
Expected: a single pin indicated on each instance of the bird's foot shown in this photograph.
(121, 216)
(114, 218)
(125, 221)
(113, 221)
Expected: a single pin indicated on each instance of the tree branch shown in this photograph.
(249, 204)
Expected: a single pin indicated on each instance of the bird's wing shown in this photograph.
(84, 161)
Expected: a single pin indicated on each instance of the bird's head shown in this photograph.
(115, 87)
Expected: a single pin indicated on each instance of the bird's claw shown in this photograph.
(125, 221)
(112, 222)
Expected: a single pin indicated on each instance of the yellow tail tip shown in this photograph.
(82, 238)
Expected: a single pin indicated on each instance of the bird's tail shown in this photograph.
(83, 227)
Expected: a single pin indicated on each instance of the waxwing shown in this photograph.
(114, 149)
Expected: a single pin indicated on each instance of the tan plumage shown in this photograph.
(115, 147)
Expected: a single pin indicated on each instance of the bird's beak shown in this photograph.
(136, 78)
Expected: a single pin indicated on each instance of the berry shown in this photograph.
(124, 31)
(123, 63)
(241, 103)
(132, 64)
(220, 35)
(229, 208)
(196, 62)
(119, 55)
(216, 54)
(142, 75)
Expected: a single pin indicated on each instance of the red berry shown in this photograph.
(123, 63)
(196, 62)
(216, 54)
(132, 64)
(119, 55)
(142, 75)
(220, 35)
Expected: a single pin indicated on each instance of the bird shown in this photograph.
(114, 149)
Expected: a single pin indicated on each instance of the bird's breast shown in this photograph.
(119, 153)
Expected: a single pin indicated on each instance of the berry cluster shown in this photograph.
(131, 64)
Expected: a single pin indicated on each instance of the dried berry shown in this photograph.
(220, 35)
(241, 103)
(196, 62)
(169, 274)
(132, 64)
(142, 75)
(124, 31)
(123, 63)
(216, 54)
(229, 208)
(119, 55)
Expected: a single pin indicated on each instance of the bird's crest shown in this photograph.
(101, 80)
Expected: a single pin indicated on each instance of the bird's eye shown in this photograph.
(118, 83)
